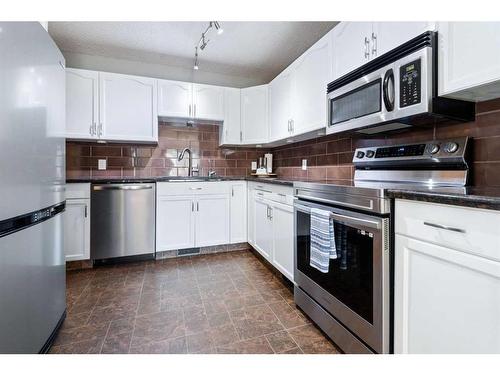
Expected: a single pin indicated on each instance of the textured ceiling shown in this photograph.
(248, 49)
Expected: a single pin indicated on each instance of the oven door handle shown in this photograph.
(344, 218)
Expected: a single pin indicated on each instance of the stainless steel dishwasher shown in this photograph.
(122, 221)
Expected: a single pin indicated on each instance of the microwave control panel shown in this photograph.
(410, 87)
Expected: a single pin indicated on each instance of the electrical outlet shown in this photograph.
(101, 164)
(254, 165)
(304, 164)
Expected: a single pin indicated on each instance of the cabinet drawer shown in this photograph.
(173, 188)
(197, 188)
(471, 230)
(78, 191)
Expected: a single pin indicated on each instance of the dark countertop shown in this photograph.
(486, 198)
(477, 197)
(111, 180)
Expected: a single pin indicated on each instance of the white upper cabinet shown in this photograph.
(356, 43)
(311, 74)
(81, 103)
(389, 35)
(231, 128)
(208, 102)
(175, 99)
(128, 108)
(469, 60)
(280, 106)
(254, 115)
(351, 46)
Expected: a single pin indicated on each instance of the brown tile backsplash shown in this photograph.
(125, 160)
(328, 157)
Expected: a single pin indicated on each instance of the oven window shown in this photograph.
(350, 276)
(360, 102)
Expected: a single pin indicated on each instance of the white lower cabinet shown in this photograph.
(198, 214)
(447, 279)
(212, 220)
(272, 229)
(238, 221)
(175, 222)
(77, 222)
(283, 255)
(263, 228)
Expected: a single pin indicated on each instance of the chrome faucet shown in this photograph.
(190, 160)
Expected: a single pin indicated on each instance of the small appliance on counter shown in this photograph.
(265, 166)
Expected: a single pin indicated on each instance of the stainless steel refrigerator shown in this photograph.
(32, 198)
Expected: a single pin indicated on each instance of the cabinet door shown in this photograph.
(251, 214)
(351, 46)
(231, 129)
(283, 256)
(263, 229)
(280, 106)
(254, 115)
(239, 212)
(81, 103)
(212, 220)
(312, 72)
(77, 229)
(469, 62)
(175, 99)
(128, 108)
(208, 102)
(389, 35)
(175, 222)
(446, 301)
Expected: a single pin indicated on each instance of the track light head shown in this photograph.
(217, 26)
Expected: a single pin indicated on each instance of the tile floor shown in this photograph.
(218, 303)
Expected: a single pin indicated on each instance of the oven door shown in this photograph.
(392, 93)
(355, 290)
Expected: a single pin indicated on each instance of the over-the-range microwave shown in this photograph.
(394, 91)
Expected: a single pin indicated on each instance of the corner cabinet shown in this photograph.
(230, 132)
(447, 279)
(469, 62)
(77, 222)
(111, 107)
(254, 115)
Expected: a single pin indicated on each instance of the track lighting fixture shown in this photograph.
(203, 41)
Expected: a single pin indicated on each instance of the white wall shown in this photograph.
(114, 65)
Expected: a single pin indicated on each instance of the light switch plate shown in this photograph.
(304, 164)
(254, 165)
(101, 164)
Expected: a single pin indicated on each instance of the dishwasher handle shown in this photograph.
(121, 187)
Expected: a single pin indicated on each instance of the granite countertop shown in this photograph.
(125, 180)
(477, 197)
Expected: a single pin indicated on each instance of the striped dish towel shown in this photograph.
(322, 240)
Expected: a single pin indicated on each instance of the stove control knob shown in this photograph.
(451, 147)
(370, 153)
(360, 154)
(434, 148)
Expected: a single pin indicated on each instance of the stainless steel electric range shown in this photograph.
(351, 302)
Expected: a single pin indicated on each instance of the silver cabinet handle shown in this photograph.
(261, 194)
(270, 213)
(197, 206)
(195, 188)
(189, 115)
(232, 191)
(439, 226)
(292, 124)
(100, 129)
(91, 129)
(367, 48)
(288, 126)
(241, 136)
(121, 187)
(194, 111)
(267, 211)
(85, 210)
(192, 206)
(374, 46)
